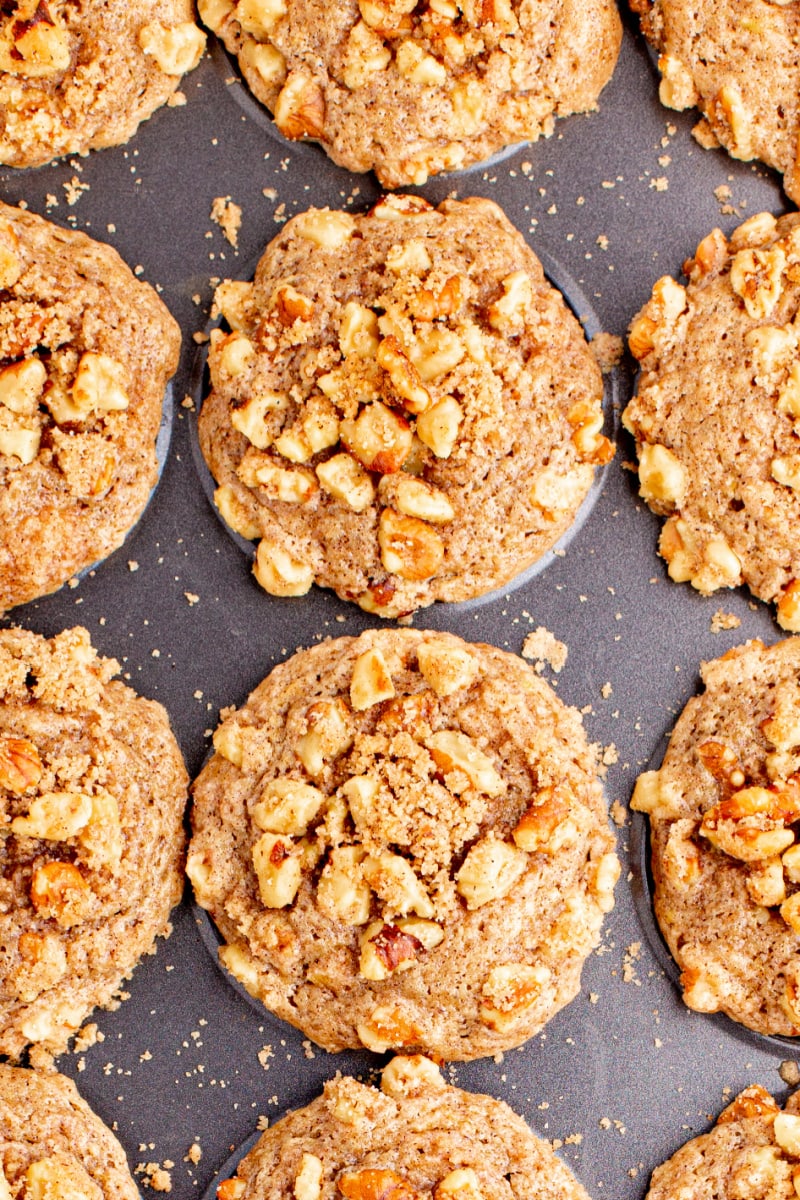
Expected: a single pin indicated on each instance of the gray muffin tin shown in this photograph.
(625, 1074)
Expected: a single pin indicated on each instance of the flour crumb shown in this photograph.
(544, 649)
(722, 620)
(608, 349)
(228, 216)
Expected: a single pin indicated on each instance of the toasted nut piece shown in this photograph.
(44, 964)
(454, 751)
(21, 386)
(789, 607)
(437, 352)
(785, 470)
(761, 227)
(327, 229)
(385, 948)
(214, 13)
(55, 816)
(360, 792)
(395, 882)
(509, 992)
(287, 806)
(649, 797)
(60, 1177)
(177, 48)
(771, 347)
(292, 305)
(469, 104)
(554, 493)
(39, 48)
(490, 871)
(343, 477)
(699, 992)
(59, 890)
(729, 101)
(234, 514)
(278, 869)
(251, 418)
(394, 206)
(791, 863)
(592, 446)
(19, 442)
(388, 1027)
(409, 547)
(259, 17)
(418, 67)
(661, 475)
(415, 498)
(308, 1181)
(232, 353)
(428, 933)
(233, 1188)
(229, 742)
(358, 331)
(233, 300)
(371, 681)
(408, 1074)
(379, 438)
(461, 1184)
(366, 55)
(446, 668)
(266, 60)
(279, 573)
(765, 883)
(709, 256)
(605, 880)
(342, 891)
(20, 764)
(328, 735)
(682, 862)
(537, 828)
(508, 313)
(370, 1184)
(404, 376)
(756, 276)
(789, 392)
(666, 304)
(786, 1128)
(790, 911)
(676, 89)
(290, 487)
(409, 257)
(99, 384)
(754, 1101)
(438, 426)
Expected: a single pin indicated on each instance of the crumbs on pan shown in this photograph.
(608, 349)
(156, 1175)
(722, 620)
(228, 216)
(544, 649)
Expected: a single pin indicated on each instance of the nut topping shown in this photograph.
(20, 765)
(409, 547)
(372, 1184)
(300, 107)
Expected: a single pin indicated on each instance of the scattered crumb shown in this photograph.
(74, 190)
(660, 183)
(192, 597)
(176, 100)
(608, 350)
(629, 963)
(593, 997)
(133, 564)
(270, 193)
(544, 649)
(187, 402)
(155, 1176)
(602, 241)
(606, 690)
(308, 1049)
(201, 337)
(619, 814)
(789, 1072)
(722, 620)
(228, 216)
(262, 1123)
(610, 755)
(194, 1153)
(264, 1055)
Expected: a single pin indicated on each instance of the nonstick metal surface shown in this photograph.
(625, 1074)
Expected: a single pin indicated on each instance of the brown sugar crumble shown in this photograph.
(228, 216)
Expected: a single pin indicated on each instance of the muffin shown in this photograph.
(93, 793)
(716, 413)
(77, 77)
(86, 351)
(404, 409)
(723, 809)
(402, 841)
(407, 92)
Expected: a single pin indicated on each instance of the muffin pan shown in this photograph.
(186, 1066)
